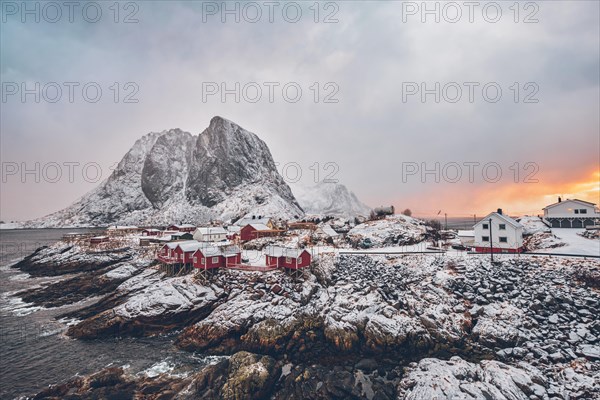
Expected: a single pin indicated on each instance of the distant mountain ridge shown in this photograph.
(329, 199)
(172, 176)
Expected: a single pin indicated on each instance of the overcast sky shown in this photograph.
(374, 61)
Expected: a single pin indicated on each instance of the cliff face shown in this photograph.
(172, 176)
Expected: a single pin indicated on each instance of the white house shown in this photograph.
(210, 234)
(498, 233)
(467, 238)
(571, 213)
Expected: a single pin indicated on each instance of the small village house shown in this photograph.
(184, 252)
(211, 257)
(150, 232)
(182, 228)
(302, 225)
(571, 213)
(467, 238)
(99, 239)
(74, 236)
(166, 254)
(121, 230)
(178, 236)
(284, 257)
(233, 232)
(498, 233)
(147, 240)
(210, 234)
(255, 231)
(176, 257)
(255, 220)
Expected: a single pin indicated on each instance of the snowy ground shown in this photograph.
(10, 225)
(533, 225)
(576, 244)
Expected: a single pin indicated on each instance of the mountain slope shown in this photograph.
(172, 176)
(328, 198)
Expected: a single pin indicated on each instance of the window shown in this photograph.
(576, 211)
(583, 211)
(503, 239)
(195, 260)
(502, 227)
(288, 260)
(485, 226)
(215, 260)
(202, 260)
(485, 238)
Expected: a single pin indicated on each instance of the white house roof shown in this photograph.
(190, 246)
(151, 230)
(227, 251)
(260, 227)
(246, 221)
(100, 237)
(466, 233)
(585, 203)
(172, 245)
(184, 226)
(279, 251)
(230, 250)
(209, 251)
(503, 217)
(234, 228)
(212, 230)
(179, 233)
(116, 227)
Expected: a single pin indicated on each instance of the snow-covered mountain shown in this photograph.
(328, 198)
(174, 177)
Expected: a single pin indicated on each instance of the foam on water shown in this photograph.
(18, 307)
(163, 367)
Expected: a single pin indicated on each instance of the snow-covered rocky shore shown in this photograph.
(357, 326)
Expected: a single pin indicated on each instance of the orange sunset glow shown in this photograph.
(515, 199)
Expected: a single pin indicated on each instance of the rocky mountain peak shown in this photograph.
(173, 176)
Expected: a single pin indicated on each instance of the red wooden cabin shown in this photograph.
(174, 253)
(182, 228)
(255, 231)
(150, 232)
(283, 257)
(211, 257)
(99, 239)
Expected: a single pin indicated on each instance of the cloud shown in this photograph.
(369, 54)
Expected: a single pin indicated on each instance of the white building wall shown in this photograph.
(566, 209)
(513, 235)
(210, 237)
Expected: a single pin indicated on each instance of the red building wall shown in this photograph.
(208, 261)
(237, 259)
(304, 259)
(283, 262)
(247, 233)
(497, 250)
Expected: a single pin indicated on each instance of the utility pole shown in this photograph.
(446, 221)
(491, 241)
(474, 219)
